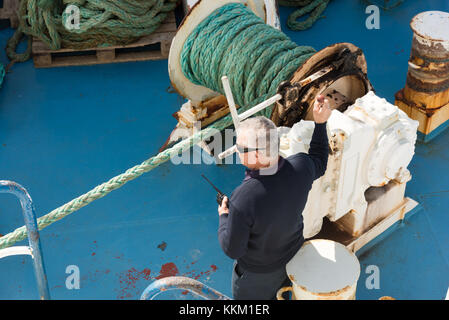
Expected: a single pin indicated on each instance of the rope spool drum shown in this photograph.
(349, 85)
(198, 13)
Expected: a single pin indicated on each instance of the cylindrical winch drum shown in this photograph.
(342, 86)
(322, 270)
(428, 72)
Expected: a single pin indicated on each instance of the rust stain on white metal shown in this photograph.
(402, 214)
(386, 298)
(332, 295)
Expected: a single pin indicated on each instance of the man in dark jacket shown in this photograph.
(261, 225)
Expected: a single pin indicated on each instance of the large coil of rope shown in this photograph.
(235, 42)
(231, 38)
(101, 23)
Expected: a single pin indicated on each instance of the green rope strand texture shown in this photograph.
(255, 57)
(314, 7)
(255, 68)
(2, 74)
(102, 23)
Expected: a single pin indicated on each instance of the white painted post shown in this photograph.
(260, 107)
(231, 103)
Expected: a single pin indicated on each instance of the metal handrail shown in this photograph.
(34, 249)
(181, 283)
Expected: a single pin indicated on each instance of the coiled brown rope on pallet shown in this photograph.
(102, 23)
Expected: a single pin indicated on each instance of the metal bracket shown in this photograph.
(34, 248)
(344, 62)
(181, 283)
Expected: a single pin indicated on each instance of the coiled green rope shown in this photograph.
(255, 68)
(314, 7)
(255, 57)
(102, 23)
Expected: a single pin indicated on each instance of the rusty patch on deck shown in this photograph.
(168, 270)
(133, 281)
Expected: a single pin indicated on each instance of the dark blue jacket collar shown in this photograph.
(256, 173)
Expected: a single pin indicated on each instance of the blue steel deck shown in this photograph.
(65, 130)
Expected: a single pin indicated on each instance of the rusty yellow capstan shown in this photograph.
(426, 94)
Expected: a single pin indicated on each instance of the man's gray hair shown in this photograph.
(261, 132)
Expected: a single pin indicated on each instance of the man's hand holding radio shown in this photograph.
(223, 208)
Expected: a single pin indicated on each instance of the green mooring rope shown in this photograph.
(100, 191)
(256, 58)
(102, 23)
(232, 41)
(314, 7)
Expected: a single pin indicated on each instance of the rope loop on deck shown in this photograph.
(13, 43)
(314, 7)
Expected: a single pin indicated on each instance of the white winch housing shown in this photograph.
(371, 144)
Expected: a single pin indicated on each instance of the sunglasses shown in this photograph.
(241, 149)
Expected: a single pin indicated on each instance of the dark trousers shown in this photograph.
(257, 286)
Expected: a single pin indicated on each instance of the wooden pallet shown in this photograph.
(9, 11)
(153, 47)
